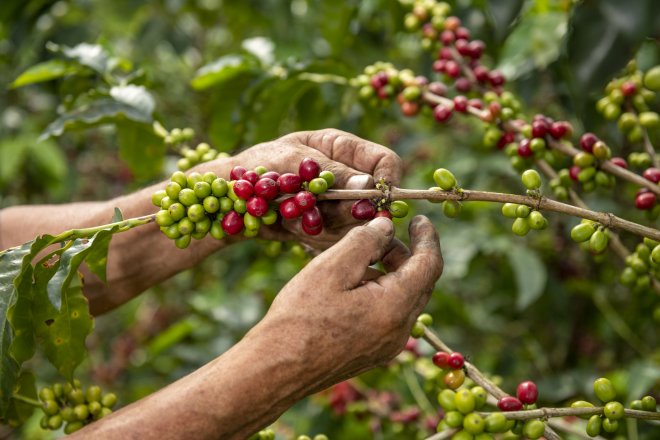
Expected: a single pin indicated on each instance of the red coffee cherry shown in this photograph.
(573, 172)
(620, 162)
(453, 69)
(309, 169)
(271, 175)
(289, 183)
(289, 209)
(363, 210)
(447, 37)
(442, 113)
(266, 188)
(462, 33)
(527, 392)
(437, 88)
(560, 129)
(243, 189)
(587, 142)
(652, 174)
(237, 172)
(455, 360)
(524, 149)
(440, 359)
(257, 206)
(628, 88)
(463, 85)
(509, 403)
(251, 177)
(409, 108)
(476, 103)
(496, 78)
(539, 128)
(645, 200)
(460, 103)
(305, 200)
(438, 66)
(312, 218)
(477, 48)
(481, 73)
(384, 213)
(379, 80)
(232, 223)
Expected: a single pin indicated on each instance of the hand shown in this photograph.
(354, 161)
(339, 317)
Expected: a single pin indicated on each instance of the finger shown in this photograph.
(395, 256)
(357, 153)
(413, 281)
(327, 237)
(346, 263)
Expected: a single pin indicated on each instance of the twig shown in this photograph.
(649, 148)
(417, 392)
(546, 413)
(27, 400)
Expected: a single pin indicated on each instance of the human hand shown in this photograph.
(354, 162)
(339, 317)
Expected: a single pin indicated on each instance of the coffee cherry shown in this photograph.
(533, 429)
(289, 183)
(645, 200)
(196, 213)
(318, 185)
(72, 427)
(363, 210)
(560, 129)
(311, 230)
(243, 189)
(652, 174)
(237, 172)
(442, 113)
(305, 200)
(520, 226)
(451, 208)
(163, 218)
(531, 179)
(509, 403)
(510, 210)
(308, 169)
(81, 412)
(582, 232)
(474, 423)
(179, 178)
(251, 222)
(193, 178)
(240, 206)
(465, 401)
(187, 197)
(417, 330)
(649, 403)
(440, 359)
(219, 187)
(257, 206)
(610, 425)
(454, 379)
(587, 142)
(398, 209)
(447, 399)
(274, 175)
(250, 176)
(46, 394)
(453, 419)
(455, 360)
(582, 404)
(604, 390)
(211, 204)
(50, 407)
(444, 179)
(158, 196)
(598, 242)
(539, 128)
(613, 410)
(289, 209)
(232, 223)
(527, 392)
(312, 218)
(537, 221)
(202, 190)
(203, 226)
(652, 79)
(383, 213)
(496, 422)
(524, 148)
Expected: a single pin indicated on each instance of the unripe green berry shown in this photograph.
(610, 425)
(454, 419)
(211, 204)
(172, 189)
(447, 399)
(318, 185)
(510, 210)
(193, 178)
(537, 145)
(250, 233)
(166, 202)
(240, 206)
(480, 396)
(81, 412)
(649, 404)
(523, 211)
(187, 197)
(582, 232)
(655, 254)
(94, 408)
(216, 230)
(613, 410)
(46, 394)
(582, 404)
(180, 178)
(109, 400)
(474, 423)
(50, 407)
(209, 177)
(496, 422)
(68, 414)
(637, 404)
(417, 330)
(54, 422)
(328, 177)
(533, 429)
(183, 164)
(177, 211)
(586, 174)
(219, 187)
(93, 394)
(598, 242)
(398, 209)
(444, 179)
(321, 437)
(196, 213)
(531, 179)
(72, 427)
(604, 390)
(652, 79)
(602, 151)
(203, 226)
(183, 241)
(226, 204)
(537, 221)
(520, 226)
(465, 402)
(251, 222)
(425, 319)
(163, 218)
(157, 197)
(260, 170)
(451, 208)
(202, 190)
(270, 217)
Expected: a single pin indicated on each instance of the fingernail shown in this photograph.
(359, 181)
(383, 224)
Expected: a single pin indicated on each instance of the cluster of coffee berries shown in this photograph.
(269, 434)
(74, 407)
(593, 236)
(535, 139)
(586, 165)
(196, 204)
(613, 410)
(420, 324)
(176, 135)
(452, 375)
(382, 82)
(427, 17)
(194, 156)
(365, 209)
(316, 437)
(446, 181)
(640, 160)
(641, 265)
(628, 99)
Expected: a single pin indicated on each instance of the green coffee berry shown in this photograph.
(649, 404)
(531, 179)
(203, 226)
(50, 407)
(163, 218)
(582, 404)
(166, 202)
(480, 396)
(270, 217)
(318, 185)
(496, 423)
(172, 189)
(454, 419)
(219, 187)
(226, 204)
(523, 211)
(240, 206)
(193, 178)
(209, 177)
(533, 429)
(187, 197)
(613, 410)
(157, 197)
(183, 241)
(177, 211)
(398, 209)
(465, 401)
(196, 213)
(520, 226)
(610, 425)
(447, 399)
(55, 422)
(425, 319)
(604, 390)
(216, 230)
(444, 179)
(451, 208)
(536, 220)
(72, 427)
(94, 408)
(328, 177)
(211, 204)
(474, 423)
(417, 330)
(81, 412)
(510, 210)
(582, 232)
(598, 242)
(202, 190)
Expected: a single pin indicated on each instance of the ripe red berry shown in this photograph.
(447, 37)
(271, 175)
(645, 200)
(305, 200)
(527, 392)
(652, 174)
(524, 149)
(539, 128)
(462, 33)
(251, 177)
(363, 210)
(460, 103)
(463, 47)
(496, 78)
(312, 218)
(559, 129)
(384, 213)
(628, 88)
(379, 80)
(289, 183)
(237, 172)
(462, 85)
(409, 108)
(574, 171)
(289, 209)
(439, 65)
(309, 230)
(481, 73)
(509, 403)
(309, 169)
(587, 142)
(440, 359)
(453, 69)
(442, 113)
(243, 189)
(477, 48)
(445, 54)
(266, 188)
(257, 206)
(619, 161)
(421, 80)
(455, 360)
(438, 88)
(232, 223)
(506, 138)
(476, 103)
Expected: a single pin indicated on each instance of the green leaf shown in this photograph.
(13, 153)
(69, 262)
(19, 412)
(117, 216)
(97, 258)
(62, 332)
(223, 70)
(141, 148)
(530, 275)
(90, 55)
(172, 335)
(333, 19)
(533, 44)
(99, 112)
(227, 127)
(604, 36)
(46, 71)
(502, 14)
(14, 265)
(49, 161)
(137, 97)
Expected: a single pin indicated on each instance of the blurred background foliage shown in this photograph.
(83, 81)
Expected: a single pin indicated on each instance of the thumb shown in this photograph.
(345, 264)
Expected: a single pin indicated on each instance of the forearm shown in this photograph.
(232, 397)
(137, 259)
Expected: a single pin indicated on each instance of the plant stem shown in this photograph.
(649, 148)
(323, 78)
(124, 225)
(417, 392)
(442, 435)
(606, 219)
(27, 400)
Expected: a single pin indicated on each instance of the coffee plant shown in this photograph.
(598, 187)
